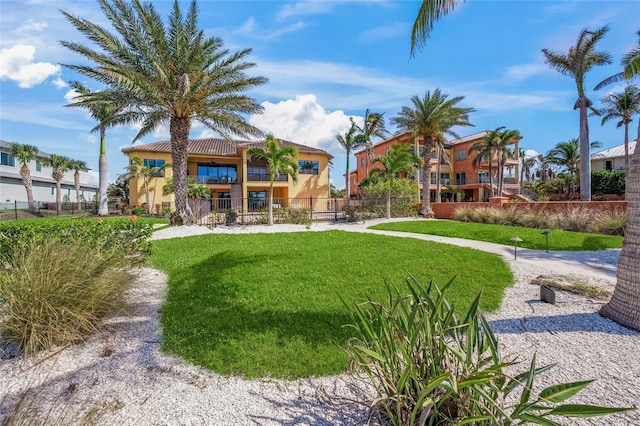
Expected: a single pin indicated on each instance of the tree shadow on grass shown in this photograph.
(213, 321)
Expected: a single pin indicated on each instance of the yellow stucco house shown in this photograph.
(234, 179)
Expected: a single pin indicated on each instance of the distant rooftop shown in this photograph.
(616, 151)
(215, 146)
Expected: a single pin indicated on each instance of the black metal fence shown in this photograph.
(246, 210)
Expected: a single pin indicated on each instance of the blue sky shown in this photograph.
(329, 60)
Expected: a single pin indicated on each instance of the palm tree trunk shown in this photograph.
(348, 179)
(270, 218)
(585, 161)
(103, 207)
(624, 306)
(179, 129)
(389, 203)
(491, 175)
(426, 176)
(626, 150)
(146, 193)
(25, 174)
(76, 181)
(438, 168)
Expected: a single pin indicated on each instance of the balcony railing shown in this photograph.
(264, 177)
(220, 180)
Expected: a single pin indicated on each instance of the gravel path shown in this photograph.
(121, 377)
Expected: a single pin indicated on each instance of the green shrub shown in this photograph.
(607, 182)
(230, 217)
(429, 366)
(575, 219)
(611, 223)
(56, 293)
(138, 210)
(129, 237)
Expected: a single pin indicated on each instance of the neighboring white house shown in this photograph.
(44, 186)
(611, 158)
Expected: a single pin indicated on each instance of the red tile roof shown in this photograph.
(214, 146)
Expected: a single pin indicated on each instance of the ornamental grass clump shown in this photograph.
(54, 292)
(430, 367)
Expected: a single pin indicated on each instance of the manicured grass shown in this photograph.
(532, 238)
(262, 305)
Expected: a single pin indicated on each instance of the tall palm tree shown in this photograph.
(280, 160)
(580, 59)
(60, 166)
(567, 155)
(138, 170)
(506, 139)
(429, 13)
(431, 118)
(400, 159)
(622, 106)
(25, 154)
(373, 127)
(624, 306)
(349, 142)
(443, 157)
(526, 166)
(485, 150)
(168, 74)
(77, 166)
(104, 113)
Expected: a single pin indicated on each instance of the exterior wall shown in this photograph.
(316, 186)
(307, 185)
(12, 189)
(137, 194)
(600, 164)
(447, 210)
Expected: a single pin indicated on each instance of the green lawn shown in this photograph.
(532, 238)
(262, 305)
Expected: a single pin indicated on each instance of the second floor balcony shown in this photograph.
(265, 177)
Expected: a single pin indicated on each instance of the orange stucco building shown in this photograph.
(459, 173)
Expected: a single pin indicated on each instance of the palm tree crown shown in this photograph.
(59, 165)
(350, 141)
(429, 13)
(168, 74)
(622, 106)
(280, 160)
(431, 118)
(400, 159)
(580, 59)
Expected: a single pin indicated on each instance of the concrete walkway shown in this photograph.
(555, 262)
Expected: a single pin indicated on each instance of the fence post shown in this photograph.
(311, 207)
(15, 209)
(335, 209)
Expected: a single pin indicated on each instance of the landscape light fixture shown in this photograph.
(546, 234)
(515, 240)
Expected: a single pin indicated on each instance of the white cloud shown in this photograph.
(89, 137)
(303, 120)
(71, 95)
(32, 26)
(59, 83)
(389, 31)
(523, 72)
(305, 8)
(270, 35)
(16, 63)
(247, 27)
